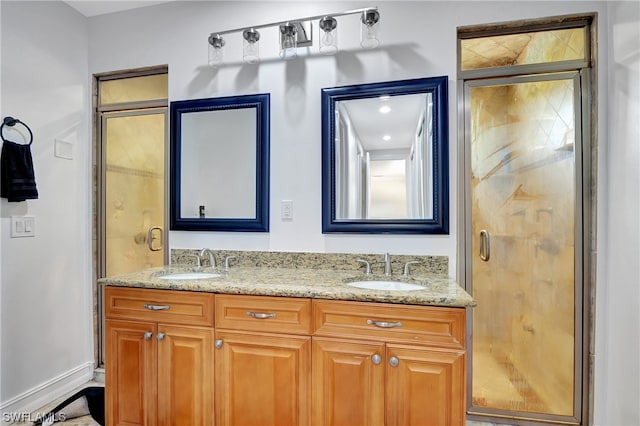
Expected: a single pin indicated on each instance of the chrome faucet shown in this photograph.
(212, 259)
(387, 264)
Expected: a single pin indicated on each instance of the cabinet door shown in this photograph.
(262, 379)
(130, 373)
(425, 386)
(185, 375)
(348, 382)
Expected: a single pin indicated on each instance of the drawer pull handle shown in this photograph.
(218, 344)
(394, 361)
(384, 324)
(156, 307)
(160, 336)
(376, 359)
(259, 315)
(148, 335)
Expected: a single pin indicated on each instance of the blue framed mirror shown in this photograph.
(385, 158)
(220, 164)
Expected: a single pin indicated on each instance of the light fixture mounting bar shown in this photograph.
(306, 18)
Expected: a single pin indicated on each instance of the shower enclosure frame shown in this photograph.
(585, 174)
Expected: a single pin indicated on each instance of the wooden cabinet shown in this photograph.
(388, 365)
(159, 358)
(280, 361)
(262, 377)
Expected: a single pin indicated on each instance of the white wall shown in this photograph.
(617, 352)
(46, 311)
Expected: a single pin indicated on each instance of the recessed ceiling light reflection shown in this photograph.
(384, 109)
(386, 138)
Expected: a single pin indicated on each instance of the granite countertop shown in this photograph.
(440, 290)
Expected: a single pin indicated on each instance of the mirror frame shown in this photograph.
(260, 223)
(439, 223)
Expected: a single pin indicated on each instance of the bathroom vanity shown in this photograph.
(283, 346)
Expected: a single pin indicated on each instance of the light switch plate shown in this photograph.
(23, 226)
(63, 149)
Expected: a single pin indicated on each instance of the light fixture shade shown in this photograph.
(288, 41)
(250, 46)
(370, 29)
(328, 35)
(216, 42)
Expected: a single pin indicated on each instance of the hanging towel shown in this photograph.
(17, 180)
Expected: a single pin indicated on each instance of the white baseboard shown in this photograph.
(45, 393)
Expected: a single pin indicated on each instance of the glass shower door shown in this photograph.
(134, 207)
(523, 252)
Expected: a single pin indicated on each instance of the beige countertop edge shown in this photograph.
(440, 290)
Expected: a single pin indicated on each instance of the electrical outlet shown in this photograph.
(286, 210)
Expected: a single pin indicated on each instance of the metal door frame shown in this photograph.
(119, 109)
(585, 235)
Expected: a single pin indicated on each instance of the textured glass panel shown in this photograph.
(134, 162)
(521, 49)
(523, 198)
(134, 89)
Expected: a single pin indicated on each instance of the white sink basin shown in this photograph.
(386, 285)
(189, 276)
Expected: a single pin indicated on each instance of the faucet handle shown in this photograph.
(226, 261)
(367, 266)
(407, 269)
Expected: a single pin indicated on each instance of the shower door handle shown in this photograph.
(151, 237)
(485, 245)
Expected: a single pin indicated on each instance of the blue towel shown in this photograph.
(17, 179)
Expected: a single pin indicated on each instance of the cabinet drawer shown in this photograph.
(263, 314)
(423, 325)
(174, 307)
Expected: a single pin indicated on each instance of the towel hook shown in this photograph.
(10, 121)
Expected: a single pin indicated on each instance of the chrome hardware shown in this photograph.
(148, 335)
(259, 315)
(226, 261)
(376, 359)
(387, 264)
(485, 245)
(407, 267)
(383, 324)
(367, 266)
(156, 307)
(212, 259)
(393, 361)
(218, 344)
(160, 336)
(150, 238)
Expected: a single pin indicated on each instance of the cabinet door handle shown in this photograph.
(376, 359)
(259, 315)
(160, 336)
(218, 344)
(384, 324)
(393, 361)
(156, 307)
(148, 335)
(485, 245)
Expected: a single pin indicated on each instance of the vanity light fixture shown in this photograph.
(328, 35)
(370, 29)
(216, 42)
(250, 46)
(295, 33)
(288, 41)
